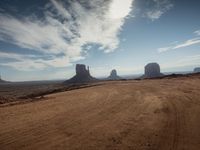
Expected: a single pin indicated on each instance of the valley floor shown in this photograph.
(161, 114)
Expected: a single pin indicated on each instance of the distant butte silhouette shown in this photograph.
(113, 75)
(196, 70)
(152, 70)
(82, 75)
(2, 81)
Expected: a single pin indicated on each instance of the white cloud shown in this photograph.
(10, 55)
(120, 9)
(197, 32)
(21, 62)
(65, 29)
(29, 62)
(187, 43)
(164, 49)
(159, 8)
(153, 15)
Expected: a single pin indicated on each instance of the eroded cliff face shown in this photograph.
(196, 70)
(82, 75)
(113, 75)
(152, 70)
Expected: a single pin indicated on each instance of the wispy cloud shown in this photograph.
(193, 60)
(180, 45)
(176, 45)
(29, 62)
(65, 29)
(197, 32)
(188, 43)
(21, 62)
(159, 7)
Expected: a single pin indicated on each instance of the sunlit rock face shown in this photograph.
(196, 70)
(82, 75)
(152, 70)
(113, 75)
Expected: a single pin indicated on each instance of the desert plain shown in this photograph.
(153, 114)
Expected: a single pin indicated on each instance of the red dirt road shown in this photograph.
(139, 115)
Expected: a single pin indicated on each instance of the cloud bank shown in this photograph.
(63, 31)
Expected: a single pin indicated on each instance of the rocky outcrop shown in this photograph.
(152, 70)
(2, 81)
(82, 75)
(196, 70)
(113, 75)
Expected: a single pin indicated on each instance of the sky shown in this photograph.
(45, 39)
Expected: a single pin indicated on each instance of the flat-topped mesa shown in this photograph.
(196, 70)
(113, 75)
(152, 70)
(82, 75)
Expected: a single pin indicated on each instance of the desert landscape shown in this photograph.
(99, 75)
(135, 114)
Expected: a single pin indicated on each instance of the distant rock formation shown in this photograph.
(113, 75)
(152, 70)
(196, 70)
(2, 81)
(82, 75)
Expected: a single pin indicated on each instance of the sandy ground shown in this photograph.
(161, 114)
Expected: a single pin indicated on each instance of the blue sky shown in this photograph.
(42, 40)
